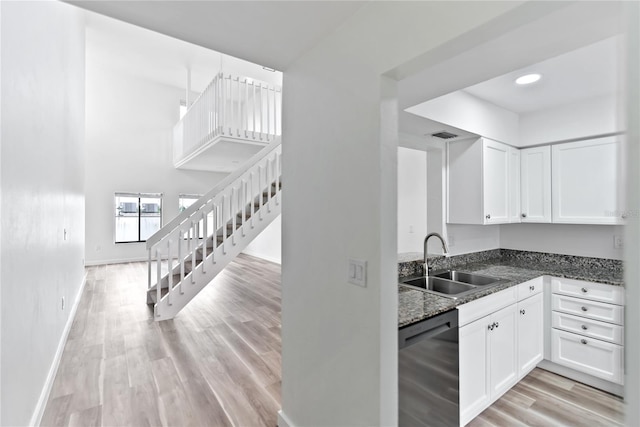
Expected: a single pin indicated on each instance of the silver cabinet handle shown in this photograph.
(584, 308)
(584, 327)
(583, 341)
(584, 290)
(497, 324)
(532, 288)
(490, 327)
(522, 311)
(488, 216)
(524, 215)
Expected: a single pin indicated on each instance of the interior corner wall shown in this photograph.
(340, 140)
(42, 169)
(129, 149)
(268, 244)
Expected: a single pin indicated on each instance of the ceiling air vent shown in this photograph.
(444, 135)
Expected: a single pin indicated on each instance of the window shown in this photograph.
(137, 216)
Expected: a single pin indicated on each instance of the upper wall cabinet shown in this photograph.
(535, 184)
(585, 182)
(480, 182)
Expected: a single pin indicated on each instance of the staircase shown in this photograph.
(187, 253)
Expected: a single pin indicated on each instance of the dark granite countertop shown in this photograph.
(513, 267)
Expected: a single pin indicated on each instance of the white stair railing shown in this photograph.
(191, 249)
(231, 107)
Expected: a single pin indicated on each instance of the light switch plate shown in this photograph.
(357, 272)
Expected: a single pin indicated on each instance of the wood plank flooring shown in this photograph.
(546, 399)
(218, 362)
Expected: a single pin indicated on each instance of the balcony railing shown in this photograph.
(232, 107)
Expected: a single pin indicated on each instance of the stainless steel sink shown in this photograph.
(472, 279)
(436, 284)
(452, 284)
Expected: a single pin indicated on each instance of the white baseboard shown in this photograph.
(261, 256)
(114, 261)
(36, 418)
(283, 421)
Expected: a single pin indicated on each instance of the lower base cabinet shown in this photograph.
(530, 334)
(492, 358)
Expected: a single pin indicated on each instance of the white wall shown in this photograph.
(469, 113)
(268, 244)
(591, 117)
(339, 340)
(412, 199)
(581, 240)
(42, 194)
(129, 149)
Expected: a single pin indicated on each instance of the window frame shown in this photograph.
(139, 196)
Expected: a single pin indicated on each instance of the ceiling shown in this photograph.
(261, 35)
(572, 77)
(159, 58)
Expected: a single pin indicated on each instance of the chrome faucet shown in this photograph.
(427, 269)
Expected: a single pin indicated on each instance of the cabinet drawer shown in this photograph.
(591, 309)
(588, 327)
(588, 290)
(484, 306)
(594, 357)
(530, 288)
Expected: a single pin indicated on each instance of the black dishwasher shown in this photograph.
(428, 372)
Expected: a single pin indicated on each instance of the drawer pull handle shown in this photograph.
(584, 327)
(497, 324)
(583, 341)
(488, 216)
(532, 288)
(584, 308)
(490, 327)
(584, 290)
(522, 311)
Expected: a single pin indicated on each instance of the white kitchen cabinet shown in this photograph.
(587, 328)
(530, 334)
(503, 371)
(479, 182)
(535, 184)
(487, 362)
(514, 185)
(474, 375)
(585, 182)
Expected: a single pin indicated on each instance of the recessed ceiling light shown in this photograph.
(528, 79)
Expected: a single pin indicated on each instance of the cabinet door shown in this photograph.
(474, 381)
(585, 182)
(530, 330)
(495, 173)
(503, 372)
(514, 185)
(535, 184)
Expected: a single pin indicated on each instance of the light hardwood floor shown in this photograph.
(218, 362)
(545, 399)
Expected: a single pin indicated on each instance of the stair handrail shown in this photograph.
(205, 199)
